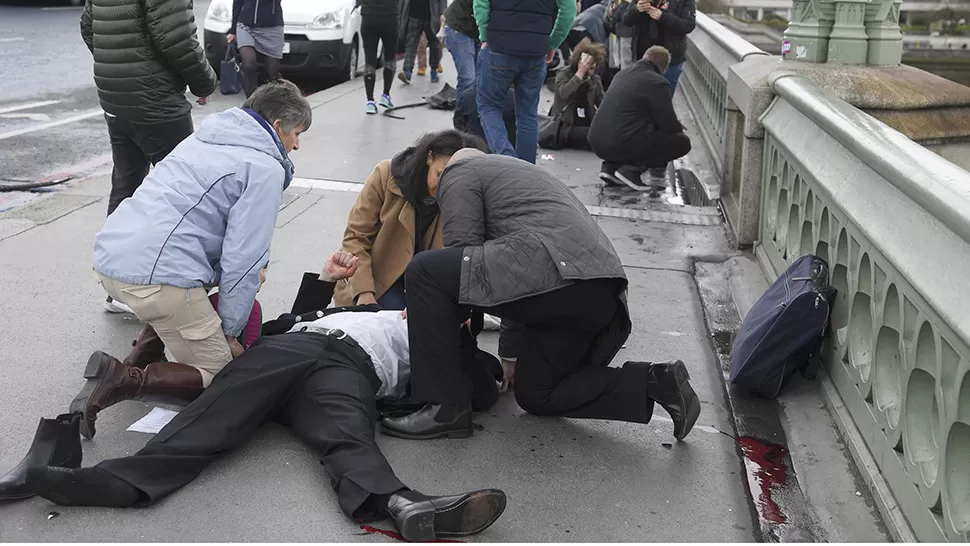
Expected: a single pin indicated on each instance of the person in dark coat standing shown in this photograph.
(145, 53)
(257, 29)
(665, 23)
(519, 245)
(636, 127)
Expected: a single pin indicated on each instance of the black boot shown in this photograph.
(81, 487)
(56, 443)
(431, 421)
(668, 383)
(420, 518)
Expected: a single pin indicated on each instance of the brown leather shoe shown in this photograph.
(145, 349)
(110, 382)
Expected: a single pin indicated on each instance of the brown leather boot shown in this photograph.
(145, 349)
(110, 382)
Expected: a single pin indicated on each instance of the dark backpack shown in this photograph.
(784, 331)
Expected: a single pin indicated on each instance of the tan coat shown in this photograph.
(380, 232)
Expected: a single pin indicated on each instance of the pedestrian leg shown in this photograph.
(250, 69)
(496, 73)
(130, 163)
(411, 50)
(464, 54)
(528, 86)
(423, 54)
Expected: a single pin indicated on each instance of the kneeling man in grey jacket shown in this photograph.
(521, 246)
(204, 217)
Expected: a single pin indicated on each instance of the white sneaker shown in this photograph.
(116, 307)
(492, 324)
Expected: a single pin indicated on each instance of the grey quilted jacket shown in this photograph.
(525, 233)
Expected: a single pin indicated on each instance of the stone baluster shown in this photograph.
(882, 27)
(848, 42)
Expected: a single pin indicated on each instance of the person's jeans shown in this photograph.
(394, 298)
(673, 75)
(464, 53)
(496, 74)
(415, 28)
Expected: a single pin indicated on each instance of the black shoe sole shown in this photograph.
(94, 372)
(470, 515)
(454, 434)
(688, 401)
(611, 180)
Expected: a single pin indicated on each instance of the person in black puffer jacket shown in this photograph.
(145, 52)
(257, 29)
(665, 23)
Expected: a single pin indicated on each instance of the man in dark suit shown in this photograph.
(521, 246)
(321, 377)
(636, 127)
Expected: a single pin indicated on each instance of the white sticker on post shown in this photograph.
(286, 47)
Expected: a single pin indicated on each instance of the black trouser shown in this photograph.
(374, 29)
(135, 146)
(553, 375)
(250, 68)
(322, 388)
(654, 151)
(576, 138)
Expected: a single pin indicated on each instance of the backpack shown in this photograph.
(784, 331)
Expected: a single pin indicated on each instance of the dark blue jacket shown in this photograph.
(521, 28)
(256, 13)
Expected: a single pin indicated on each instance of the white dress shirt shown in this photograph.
(384, 337)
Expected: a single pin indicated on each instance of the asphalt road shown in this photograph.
(50, 119)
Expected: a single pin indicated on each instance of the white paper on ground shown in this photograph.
(154, 421)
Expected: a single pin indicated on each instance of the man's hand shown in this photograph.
(550, 55)
(642, 5)
(654, 12)
(340, 265)
(230, 38)
(202, 101)
(404, 314)
(508, 375)
(484, 45)
(234, 347)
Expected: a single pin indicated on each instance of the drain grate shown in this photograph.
(712, 218)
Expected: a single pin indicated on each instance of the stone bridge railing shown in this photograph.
(802, 171)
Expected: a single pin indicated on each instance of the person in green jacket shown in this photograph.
(519, 37)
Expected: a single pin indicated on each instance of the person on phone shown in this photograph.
(257, 30)
(579, 92)
(519, 38)
(665, 23)
(396, 217)
(636, 127)
(204, 217)
(142, 64)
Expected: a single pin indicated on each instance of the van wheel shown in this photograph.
(353, 62)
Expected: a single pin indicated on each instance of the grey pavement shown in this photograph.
(567, 480)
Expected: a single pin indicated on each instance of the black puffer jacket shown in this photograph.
(145, 53)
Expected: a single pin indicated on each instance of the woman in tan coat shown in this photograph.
(395, 217)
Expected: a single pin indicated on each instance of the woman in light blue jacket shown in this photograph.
(204, 217)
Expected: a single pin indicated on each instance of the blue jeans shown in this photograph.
(464, 53)
(496, 74)
(673, 74)
(394, 298)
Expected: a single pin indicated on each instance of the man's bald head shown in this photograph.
(465, 153)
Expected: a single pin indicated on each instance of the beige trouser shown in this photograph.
(183, 318)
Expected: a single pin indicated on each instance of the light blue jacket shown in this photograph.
(205, 215)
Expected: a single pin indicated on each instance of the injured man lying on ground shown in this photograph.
(322, 378)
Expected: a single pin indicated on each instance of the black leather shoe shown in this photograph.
(668, 383)
(81, 487)
(56, 443)
(420, 518)
(431, 421)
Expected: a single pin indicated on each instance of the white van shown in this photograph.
(322, 37)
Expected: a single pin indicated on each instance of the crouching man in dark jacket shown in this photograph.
(521, 246)
(636, 127)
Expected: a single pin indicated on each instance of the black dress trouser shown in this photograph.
(135, 146)
(650, 151)
(320, 387)
(553, 375)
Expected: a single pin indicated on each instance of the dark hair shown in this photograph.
(437, 144)
(281, 100)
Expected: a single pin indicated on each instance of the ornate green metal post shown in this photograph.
(848, 42)
(882, 27)
(807, 36)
